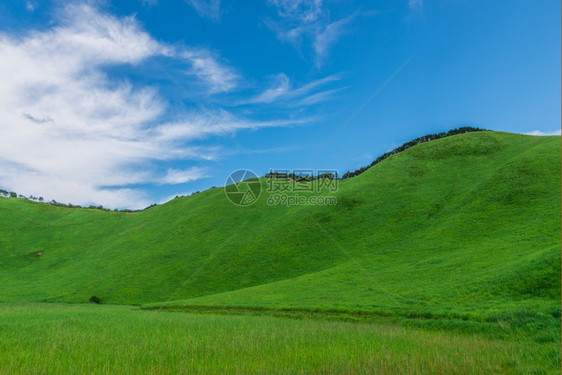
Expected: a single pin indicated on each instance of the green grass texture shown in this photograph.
(109, 339)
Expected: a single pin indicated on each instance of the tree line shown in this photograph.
(407, 145)
(12, 194)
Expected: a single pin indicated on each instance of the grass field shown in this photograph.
(55, 338)
(454, 244)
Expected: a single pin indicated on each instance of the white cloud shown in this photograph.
(306, 21)
(304, 10)
(539, 132)
(205, 66)
(281, 90)
(207, 8)
(327, 36)
(196, 127)
(281, 86)
(297, 19)
(175, 176)
(319, 97)
(29, 6)
(70, 132)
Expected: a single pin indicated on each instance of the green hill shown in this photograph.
(466, 227)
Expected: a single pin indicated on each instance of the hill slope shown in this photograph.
(467, 225)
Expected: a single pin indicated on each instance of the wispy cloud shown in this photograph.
(197, 127)
(540, 132)
(280, 87)
(30, 6)
(71, 132)
(415, 4)
(176, 176)
(327, 36)
(319, 97)
(305, 11)
(307, 22)
(282, 90)
(207, 8)
(205, 66)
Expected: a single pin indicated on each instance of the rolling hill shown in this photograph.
(465, 228)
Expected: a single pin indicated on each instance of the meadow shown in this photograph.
(99, 339)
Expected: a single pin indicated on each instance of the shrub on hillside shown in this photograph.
(95, 299)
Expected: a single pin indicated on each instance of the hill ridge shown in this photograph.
(348, 174)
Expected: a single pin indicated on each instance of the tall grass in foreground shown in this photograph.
(53, 338)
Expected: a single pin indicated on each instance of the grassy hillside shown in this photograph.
(466, 227)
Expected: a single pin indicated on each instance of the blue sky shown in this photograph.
(126, 103)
